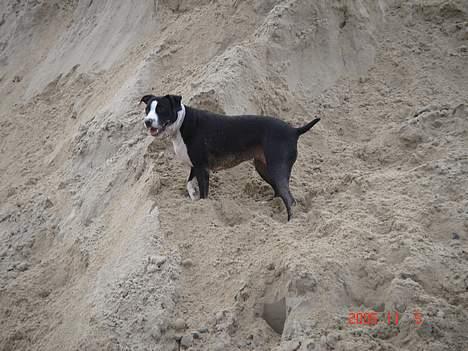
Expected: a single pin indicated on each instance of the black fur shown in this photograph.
(217, 142)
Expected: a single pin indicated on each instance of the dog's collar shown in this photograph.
(175, 127)
(181, 115)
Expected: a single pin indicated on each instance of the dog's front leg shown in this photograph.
(203, 179)
(192, 186)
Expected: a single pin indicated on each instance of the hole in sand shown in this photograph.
(275, 315)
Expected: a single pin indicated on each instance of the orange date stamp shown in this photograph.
(373, 318)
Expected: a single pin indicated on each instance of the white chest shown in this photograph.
(180, 149)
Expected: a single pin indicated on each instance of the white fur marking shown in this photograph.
(180, 148)
(192, 188)
(152, 115)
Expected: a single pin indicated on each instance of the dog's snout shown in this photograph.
(148, 123)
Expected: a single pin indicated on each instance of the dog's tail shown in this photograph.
(302, 130)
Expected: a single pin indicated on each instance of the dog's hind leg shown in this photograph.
(262, 171)
(192, 186)
(203, 179)
(280, 160)
(285, 194)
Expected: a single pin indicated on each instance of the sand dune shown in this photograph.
(101, 247)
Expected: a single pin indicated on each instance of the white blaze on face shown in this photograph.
(152, 115)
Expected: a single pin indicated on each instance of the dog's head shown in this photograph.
(161, 113)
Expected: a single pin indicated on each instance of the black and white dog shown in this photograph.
(207, 141)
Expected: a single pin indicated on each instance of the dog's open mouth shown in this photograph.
(155, 131)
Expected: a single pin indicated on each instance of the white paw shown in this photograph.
(192, 188)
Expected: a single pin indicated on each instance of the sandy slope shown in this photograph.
(100, 247)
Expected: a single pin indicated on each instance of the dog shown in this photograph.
(207, 141)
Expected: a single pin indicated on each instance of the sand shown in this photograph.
(101, 247)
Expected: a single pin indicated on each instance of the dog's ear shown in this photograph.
(146, 99)
(175, 101)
